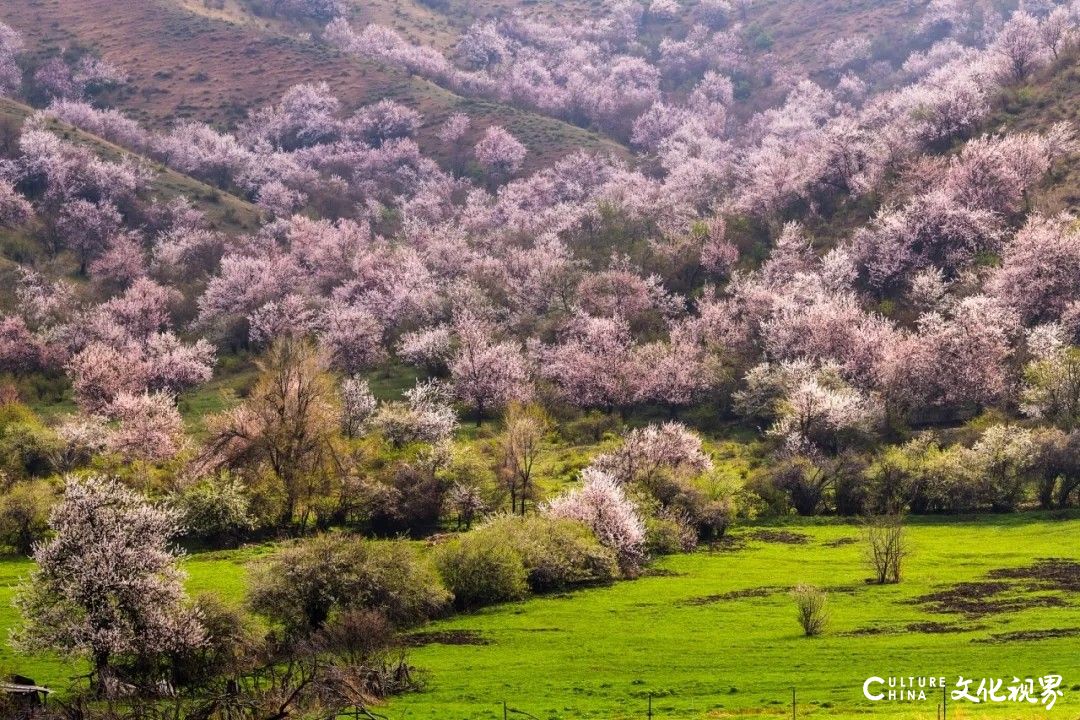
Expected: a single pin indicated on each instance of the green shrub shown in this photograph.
(24, 515)
(27, 448)
(231, 637)
(215, 510)
(305, 583)
(556, 553)
(590, 428)
(667, 533)
(480, 569)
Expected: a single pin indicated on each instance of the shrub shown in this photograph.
(1003, 461)
(707, 504)
(465, 502)
(556, 553)
(810, 602)
(602, 505)
(398, 583)
(24, 515)
(27, 448)
(410, 502)
(669, 532)
(479, 569)
(230, 641)
(215, 510)
(886, 547)
(591, 427)
(356, 635)
(304, 584)
(850, 491)
(319, 10)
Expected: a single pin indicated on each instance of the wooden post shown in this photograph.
(792, 703)
(650, 706)
(504, 710)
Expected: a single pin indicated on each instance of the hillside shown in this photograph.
(226, 212)
(215, 67)
(1053, 98)
(560, 359)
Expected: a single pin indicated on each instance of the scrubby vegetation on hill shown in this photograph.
(501, 302)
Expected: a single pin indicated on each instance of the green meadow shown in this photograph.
(712, 634)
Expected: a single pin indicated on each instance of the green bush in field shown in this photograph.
(24, 514)
(231, 638)
(556, 553)
(27, 447)
(305, 583)
(667, 533)
(215, 510)
(480, 569)
(510, 555)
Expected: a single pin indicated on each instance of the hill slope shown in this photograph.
(184, 65)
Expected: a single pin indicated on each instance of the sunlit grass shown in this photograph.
(600, 652)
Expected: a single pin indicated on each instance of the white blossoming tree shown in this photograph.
(107, 585)
(601, 504)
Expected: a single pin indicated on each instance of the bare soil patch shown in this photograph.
(1030, 635)
(735, 595)
(870, 630)
(936, 628)
(1046, 574)
(979, 599)
(728, 543)
(445, 637)
(785, 537)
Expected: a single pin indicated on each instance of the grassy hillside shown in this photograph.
(1053, 98)
(225, 212)
(214, 67)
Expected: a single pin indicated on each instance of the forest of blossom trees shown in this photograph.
(857, 277)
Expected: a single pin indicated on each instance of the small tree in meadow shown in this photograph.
(811, 603)
(108, 586)
(886, 547)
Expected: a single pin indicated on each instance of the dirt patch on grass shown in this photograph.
(935, 628)
(445, 637)
(938, 628)
(785, 537)
(728, 543)
(871, 630)
(841, 542)
(756, 592)
(843, 589)
(978, 599)
(660, 572)
(1030, 635)
(1046, 574)
(1041, 584)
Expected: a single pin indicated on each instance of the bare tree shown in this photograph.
(290, 424)
(811, 602)
(522, 442)
(886, 547)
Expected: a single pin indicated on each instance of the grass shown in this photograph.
(599, 653)
(713, 634)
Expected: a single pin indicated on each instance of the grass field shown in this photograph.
(712, 634)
